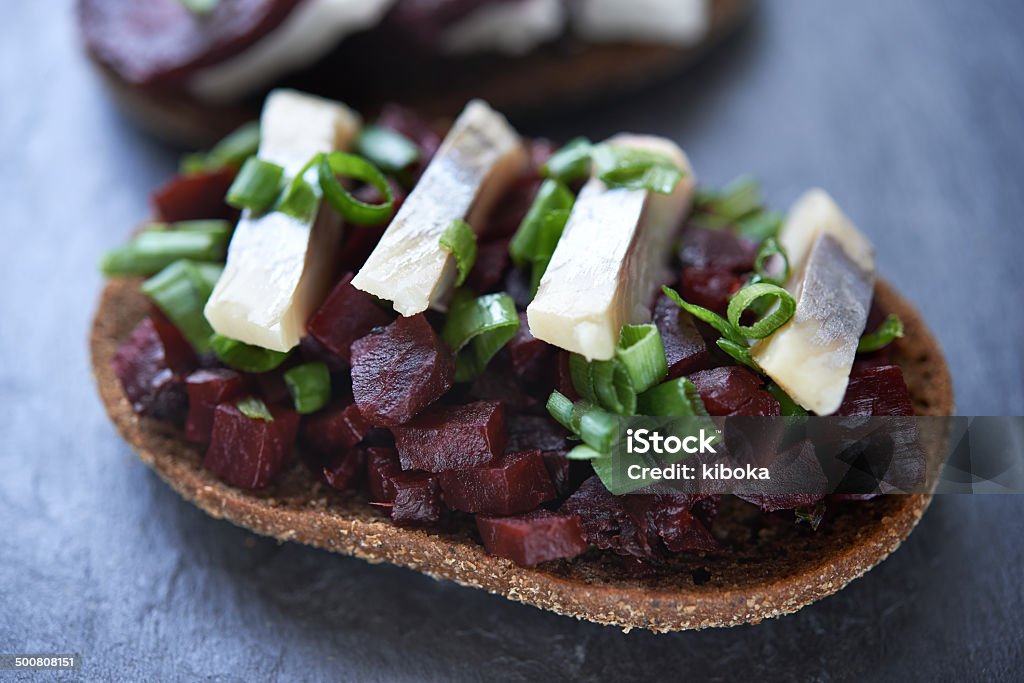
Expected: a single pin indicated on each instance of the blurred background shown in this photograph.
(909, 113)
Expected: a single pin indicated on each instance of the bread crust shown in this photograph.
(550, 76)
(766, 570)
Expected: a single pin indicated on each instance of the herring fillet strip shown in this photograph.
(279, 267)
(610, 259)
(479, 158)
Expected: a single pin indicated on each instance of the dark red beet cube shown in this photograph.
(417, 500)
(196, 196)
(338, 427)
(381, 469)
(532, 538)
(510, 210)
(609, 524)
(877, 391)
(151, 366)
(709, 287)
(346, 315)
(250, 452)
(452, 437)
(206, 390)
(719, 249)
(342, 471)
(532, 359)
(489, 270)
(678, 527)
(516, 482)
(734, 390)
(400, 370)
(527, 432)
(685, 349)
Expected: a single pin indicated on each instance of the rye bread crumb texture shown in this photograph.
(766, 569)
(551, 75)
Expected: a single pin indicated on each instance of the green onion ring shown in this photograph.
(743, 299)
(351, 209)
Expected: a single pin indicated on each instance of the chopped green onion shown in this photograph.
(790, 408)
(890, 330)
(584, 452)
(254, 408)
(723, 326)
(594, 426)
(737, 199)
(740, 353)
(769, 248)
(256, 186)
(156, 248)
(675, 398)
(760, 225)
(351, 209)
(604, 382)
(635, 169)
(570, 163)
(310, 386)
(300, 199)
(477, 328)
(245, 357)
(552, 196)
(642, 353)
(387, 149)
(233, 150)
(460, 241)
(180, 290)
(743, 299)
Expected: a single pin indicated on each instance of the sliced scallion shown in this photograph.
(570, 163)
(642, 353)
(635, 169)
(300, 199)
(309, 385)
(154, 249)
(344, 202)
(740, 353)
(595, 427)
(790, 408)
(552, 195)
(674, 398)
(256, 187)
(720, 324)
(604, 382)
(245, 357)
(769, 249)
(584, 452)
(460, 241)
(477, 328)
(233, 150)
(889, 331)
(771, 321)
(254, 409)
(387, 149)
(180, 291)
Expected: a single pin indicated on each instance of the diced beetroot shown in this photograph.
(517, 285)
(877, 391)
(342, 471)
(532, 359)
(196, 196)
(310, 350)
(528, 432)
(417, 500)
(271, 385)
(452, 437)
(357, 245)
(608, 524)
(685, 349)
(381, 469)
(489, 270)
(250, 452)
(499, 382)
(718, 249)
(510, 210)
(346, 315)
(639, 526)
(797, 481)
(207, 389)
(734, 390)
(532, 538)
(400, 370)
(151, 366)
(560, 470)
(709, 287)
(678, 527)
(514, 483)
(338, 427)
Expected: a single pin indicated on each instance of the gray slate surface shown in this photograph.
(908, 112)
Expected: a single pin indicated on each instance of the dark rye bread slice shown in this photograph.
(766, 569)
(555, 75)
